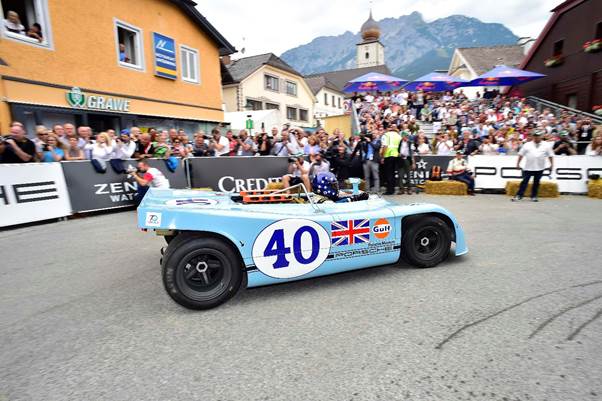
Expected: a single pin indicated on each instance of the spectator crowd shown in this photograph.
(391, 136)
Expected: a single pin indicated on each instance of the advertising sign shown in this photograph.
(90, 190)
(32, 192)
(569, 172)
(165, 56)
(235, 174)
(77, 99)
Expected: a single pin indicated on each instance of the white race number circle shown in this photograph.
(291, 248)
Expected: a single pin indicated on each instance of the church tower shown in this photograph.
(370, 52)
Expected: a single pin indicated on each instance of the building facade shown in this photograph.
(111, 64)
(573, 72)
(330, 101)
(266, 82)
(470, 62)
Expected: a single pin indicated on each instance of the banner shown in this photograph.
(89, 190)
(569, 172)
(235, 174)
(32, 192)
(424, 165)
(165, 56)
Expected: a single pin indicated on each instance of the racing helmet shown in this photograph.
(326, 184)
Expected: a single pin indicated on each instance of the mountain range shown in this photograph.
(413, 47)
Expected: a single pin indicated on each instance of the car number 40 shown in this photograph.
(291, 248)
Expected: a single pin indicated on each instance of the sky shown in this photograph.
(278, 25)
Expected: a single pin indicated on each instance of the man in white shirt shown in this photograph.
(298, 172)
(219, 143)
(147, 177)
(535, 153)
(124, 147)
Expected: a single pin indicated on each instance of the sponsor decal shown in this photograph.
(381, 228)
(153, 219)
(350, 232)
(30, 192)
(371, 249)
(291, 248)
(191, 201)
(232, 184)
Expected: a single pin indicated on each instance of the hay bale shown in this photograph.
(450, 187)
(594, 189)
(275, 185)
(203, 189)
(547, 189)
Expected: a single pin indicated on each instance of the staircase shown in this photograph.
(539, 104)
(428, 128)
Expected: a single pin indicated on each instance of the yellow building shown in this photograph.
(110, 64)
(266, 82)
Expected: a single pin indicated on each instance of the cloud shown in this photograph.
(278, 25)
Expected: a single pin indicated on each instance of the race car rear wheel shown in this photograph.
(202, 273)
(426, 241)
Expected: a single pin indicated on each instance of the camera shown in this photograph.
(292, 160)
(45, 147)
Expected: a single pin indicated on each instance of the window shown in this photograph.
(271, 83)
(26, 21)
(571, 100)
(253, 105)
(339, 103)
(189, 58)
(129, 45)
(326, 99)
(558, 48)
(272, 106)
(333, 103)
(367, 55)
(291, 113)
(291, 88)
(302, 115)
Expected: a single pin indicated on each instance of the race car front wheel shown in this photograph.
(201, 273)
(426, 241)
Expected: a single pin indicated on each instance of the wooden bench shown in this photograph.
(547, 189)
(450, 187)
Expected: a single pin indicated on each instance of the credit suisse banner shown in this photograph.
(165, 56)
(570, 172)
(238, 173)
(32, 192)
(90, 191)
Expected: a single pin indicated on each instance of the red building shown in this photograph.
(574, 73)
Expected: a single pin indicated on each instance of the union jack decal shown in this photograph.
(350, 232)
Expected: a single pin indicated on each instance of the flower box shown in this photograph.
(554, 61)
(592, 46)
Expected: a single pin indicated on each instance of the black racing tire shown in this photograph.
(201, 273)
(426, 241)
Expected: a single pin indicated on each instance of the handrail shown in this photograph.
(557, 106)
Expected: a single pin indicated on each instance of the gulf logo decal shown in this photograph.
(381, 228)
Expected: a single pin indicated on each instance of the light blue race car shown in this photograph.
(218, 242)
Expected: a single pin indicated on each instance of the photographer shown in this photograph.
(563, 145)
(298, 172)
(341, 162)
(219, 144)
(200, 147)
(147, 177)
(368, 150)
(232, 143)
(264, 144)
(124, 147)
(18, 148)
(52, 150)
(284, 147)
(319, 165)
(246, 146)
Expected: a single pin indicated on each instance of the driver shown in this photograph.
(327, 186)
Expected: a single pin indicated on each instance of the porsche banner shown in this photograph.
(32, 192)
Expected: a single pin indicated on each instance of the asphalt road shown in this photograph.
(83, 316)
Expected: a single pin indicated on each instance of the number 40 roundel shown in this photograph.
(291, 248)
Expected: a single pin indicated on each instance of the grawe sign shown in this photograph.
(78, 99)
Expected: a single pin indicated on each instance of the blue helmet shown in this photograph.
(326, 184)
